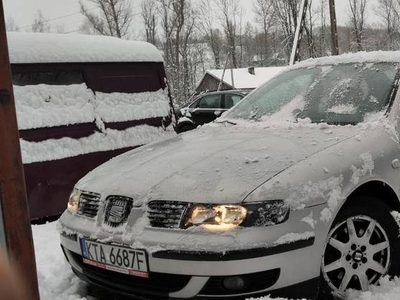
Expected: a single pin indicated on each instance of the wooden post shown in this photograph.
(332, 12)
(16, 236)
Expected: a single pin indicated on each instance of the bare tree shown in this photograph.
(114, 19)
(231, 19)
(357, 19)
(323, 16)
(389, 12)
(178, 23)
(40, 23)
(309, 31)
(11, 25)
(264, 12)
(149, 16)
(286, 12)
(208, 28)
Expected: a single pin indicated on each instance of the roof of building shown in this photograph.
(243, 79)
(75, 48)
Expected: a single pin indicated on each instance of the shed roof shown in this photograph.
(75, 48)
(243, 79)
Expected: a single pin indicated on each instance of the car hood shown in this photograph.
(211, 164)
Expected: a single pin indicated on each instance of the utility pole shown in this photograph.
(299, 32)
(300, 26)
(332, 12)
(15, 228)
(223, 72)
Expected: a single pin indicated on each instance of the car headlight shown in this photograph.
(73, 201)
(216, 217)
(226, 217)
(267, 213)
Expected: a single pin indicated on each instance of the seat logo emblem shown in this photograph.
(117, 210)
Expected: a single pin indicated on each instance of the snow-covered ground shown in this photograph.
(57, 282)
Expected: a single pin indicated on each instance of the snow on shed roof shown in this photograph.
(243, 79)
(69, 48)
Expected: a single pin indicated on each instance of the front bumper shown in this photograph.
(251, 254)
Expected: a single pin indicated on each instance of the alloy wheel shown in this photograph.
(357, 254)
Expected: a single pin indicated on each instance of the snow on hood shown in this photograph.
(28, 48)
(211, 164)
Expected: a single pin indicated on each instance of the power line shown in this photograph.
(58, 18)
(76, 30)
(66, 16)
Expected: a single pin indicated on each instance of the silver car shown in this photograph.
(293, 192)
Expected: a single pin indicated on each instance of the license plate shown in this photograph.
(115, 258)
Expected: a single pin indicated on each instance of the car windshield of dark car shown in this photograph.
(335, 94)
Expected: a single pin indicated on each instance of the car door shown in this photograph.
(205, 108)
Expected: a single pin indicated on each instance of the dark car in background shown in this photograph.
(206, 107)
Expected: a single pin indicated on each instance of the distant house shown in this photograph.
(245, 78)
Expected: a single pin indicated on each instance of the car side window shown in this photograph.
(210, 101)
(231, 100)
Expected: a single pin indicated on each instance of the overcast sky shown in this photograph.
(23, 12)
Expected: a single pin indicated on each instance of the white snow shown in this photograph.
(294, 237)
(66, 48)
(45, 105)
(357, 58)
(343, 109)
(120, 107)
(367, 167)
(42, 105)
(53, 149)
(243, 79)
(54, 105)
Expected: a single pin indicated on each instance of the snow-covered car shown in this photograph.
(206, 108)
(293, 192)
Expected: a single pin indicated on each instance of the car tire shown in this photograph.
(361, 247)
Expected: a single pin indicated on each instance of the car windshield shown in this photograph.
(335, 94)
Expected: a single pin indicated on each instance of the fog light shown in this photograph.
(234, 283)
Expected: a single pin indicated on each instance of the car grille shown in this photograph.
(253, 282)
(88, 204)
(166, 214)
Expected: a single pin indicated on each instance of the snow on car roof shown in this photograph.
(245, 80)
(359, 57)
(75, 48)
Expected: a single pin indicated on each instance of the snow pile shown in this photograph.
(55, 105)
(45, 105)
(367, 167)
(55, 277)
(53, 149)
(66, 48)
(120, 107)
(389, 289)
(40, 106)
